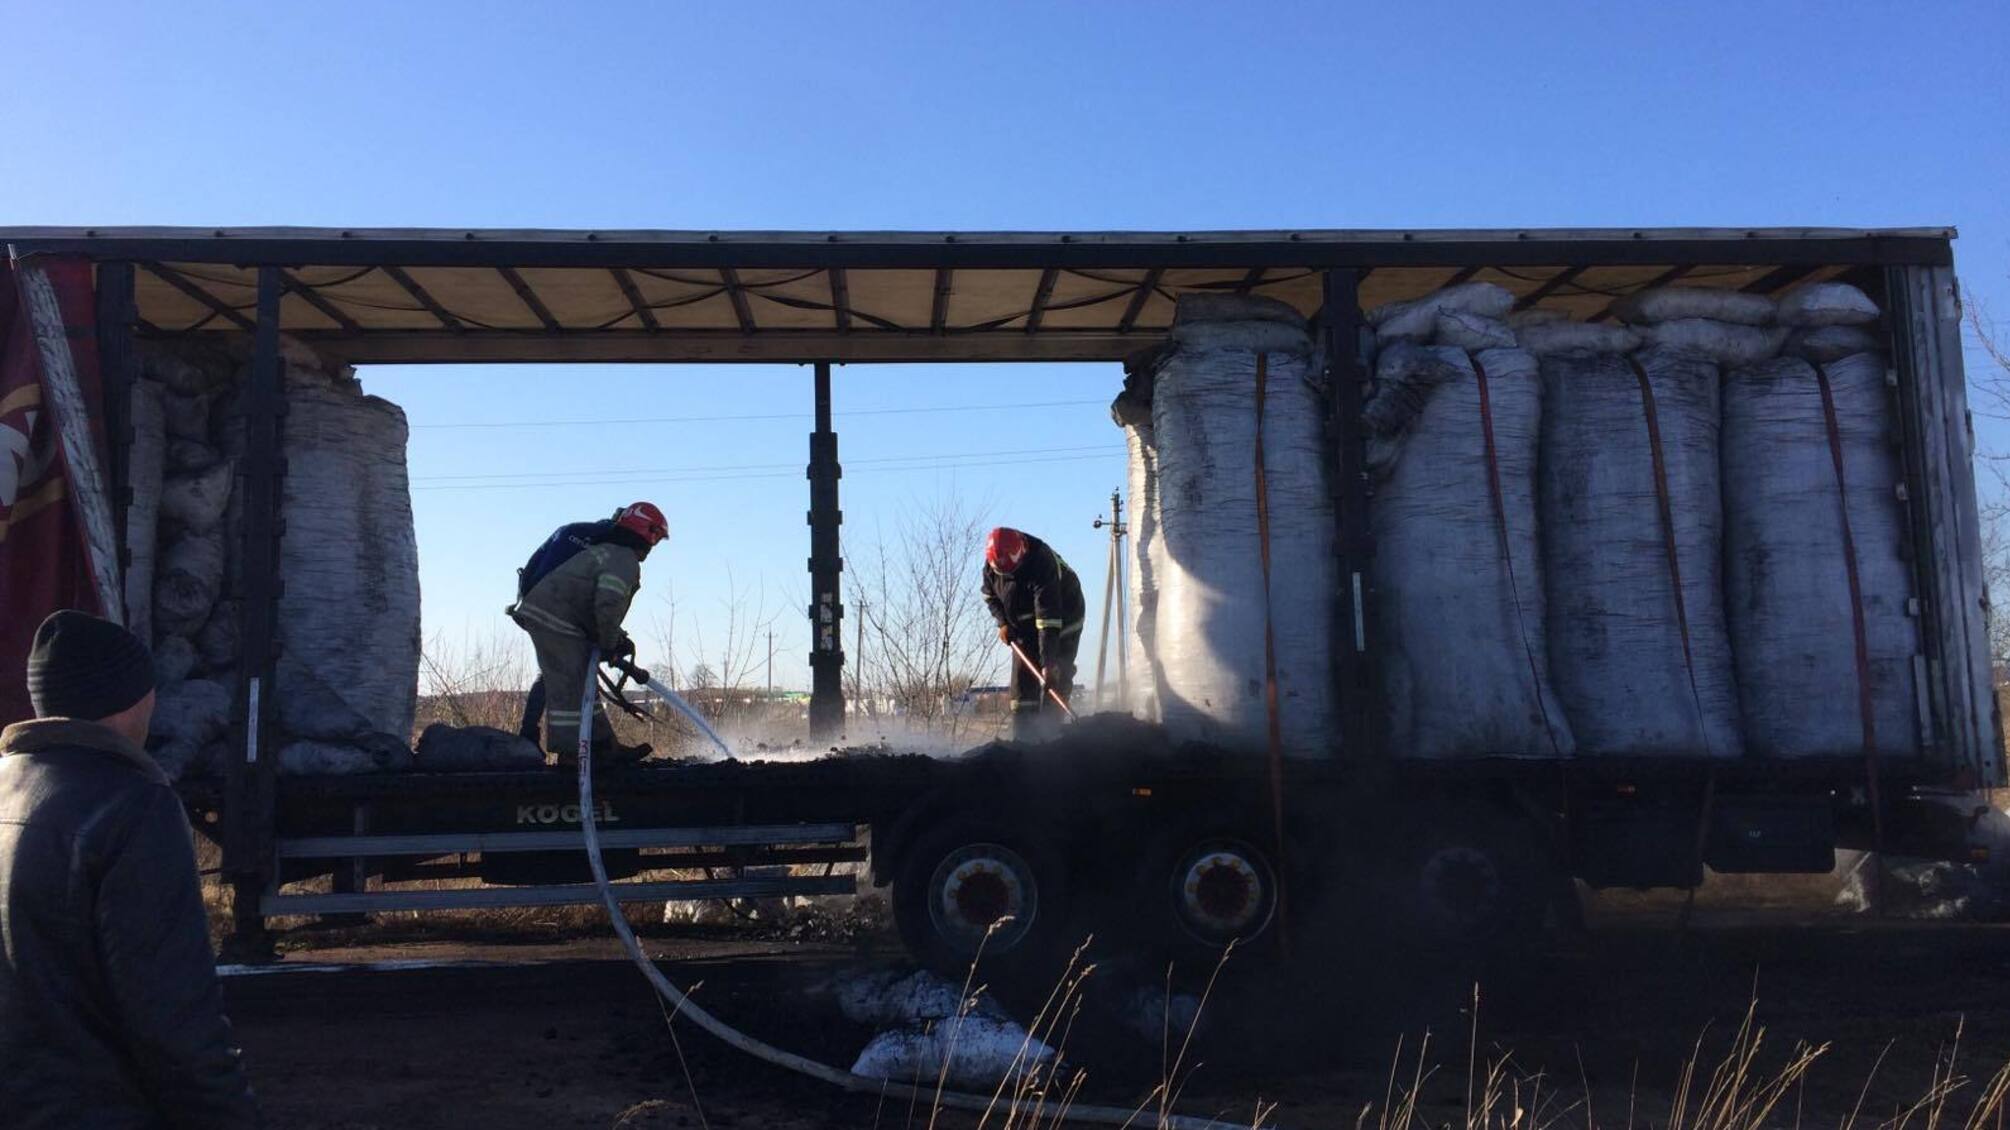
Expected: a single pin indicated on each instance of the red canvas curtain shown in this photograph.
(46, 561)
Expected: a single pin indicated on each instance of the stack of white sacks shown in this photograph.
(1628, 539)
(348, 616)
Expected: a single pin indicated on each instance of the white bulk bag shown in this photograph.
(1638, 673)
(350, 609)
(1209, 627)
(1787, 571)
(1465, 670)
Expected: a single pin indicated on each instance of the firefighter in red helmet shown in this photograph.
(572, 596)
(1036, 600)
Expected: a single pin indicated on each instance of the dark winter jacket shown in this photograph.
(559, 548)
(1040, 602)
(111, 1014)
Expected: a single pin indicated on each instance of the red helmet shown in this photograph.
(644, 520)
(1004, 550)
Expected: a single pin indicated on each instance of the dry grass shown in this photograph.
(1744, 1086)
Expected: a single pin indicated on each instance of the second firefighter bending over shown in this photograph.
(1037, 602)
(589, 575)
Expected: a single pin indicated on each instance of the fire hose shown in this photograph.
(683, 1005)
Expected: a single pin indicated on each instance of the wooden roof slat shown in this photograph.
(938, 314)
(530, 298)
(643, 313)
(329, 309)
(1662, 279)
(1146, 288)
(738, 297)
(1041, 294)
(840, 299)
(1463, 274)
(1780, 279)
(182, 283)
(419, 295)
(1554, 283)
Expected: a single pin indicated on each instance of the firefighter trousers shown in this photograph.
(562, 668)
(1033, 713)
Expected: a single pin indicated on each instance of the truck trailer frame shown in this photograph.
(409, 296)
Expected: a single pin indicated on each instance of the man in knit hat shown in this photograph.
(110, 1009)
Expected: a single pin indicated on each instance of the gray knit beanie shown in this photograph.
(85, 667)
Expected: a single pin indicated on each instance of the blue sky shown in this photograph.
(1020, 115)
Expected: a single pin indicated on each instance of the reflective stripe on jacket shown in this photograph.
(588, 596)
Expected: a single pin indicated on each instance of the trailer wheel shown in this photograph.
(1474, 879)
(974, 890)
(1209, 887)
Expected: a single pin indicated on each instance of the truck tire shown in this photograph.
(1205, 887)
(1473, 879)
(960, 880)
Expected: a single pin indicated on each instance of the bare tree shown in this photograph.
(927, 636)
(1989, 393)
(745, 620)
(476, 681)
(1989, 387)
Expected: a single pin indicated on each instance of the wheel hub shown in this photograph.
(1461, 885)
(978, 887)
(1223, 893)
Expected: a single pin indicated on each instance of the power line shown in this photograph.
(792, 465)
(759, 416)
(657, 480)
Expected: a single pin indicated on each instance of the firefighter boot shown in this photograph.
(610, 751)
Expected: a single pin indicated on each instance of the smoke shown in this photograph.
(785, 739)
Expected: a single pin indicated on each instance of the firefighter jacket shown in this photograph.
(1042, 600)
(587, 597)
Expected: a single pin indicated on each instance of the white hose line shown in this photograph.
(690, 712)
(684, 1006)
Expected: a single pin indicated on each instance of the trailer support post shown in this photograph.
(1347, 380)
(252, 767)
(826, 566)
(118, 368)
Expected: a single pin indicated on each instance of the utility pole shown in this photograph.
(826, 567)
(1114, 594)
(858, 657)
(771, 663)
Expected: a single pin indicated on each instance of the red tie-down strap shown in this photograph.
(1270, 704)
(1865, 709)
(1507, 554)
(1651, 414)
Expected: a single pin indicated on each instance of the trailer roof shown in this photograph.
(443, 295)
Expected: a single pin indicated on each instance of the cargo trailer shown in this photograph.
(1116, 824)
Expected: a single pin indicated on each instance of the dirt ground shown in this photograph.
(560, 1032)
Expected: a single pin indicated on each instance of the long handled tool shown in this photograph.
(1051, 692)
